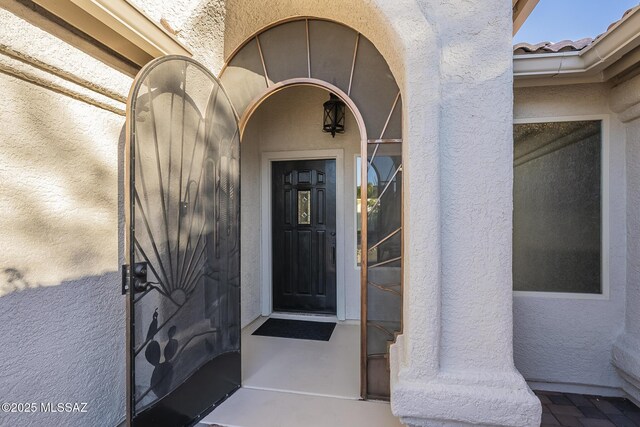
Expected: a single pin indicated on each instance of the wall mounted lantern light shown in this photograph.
(334, 116)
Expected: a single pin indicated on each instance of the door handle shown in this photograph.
(333, 248)
(139, 272)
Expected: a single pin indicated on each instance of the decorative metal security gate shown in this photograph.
(183, 244)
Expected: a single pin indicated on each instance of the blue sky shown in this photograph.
(556, 20)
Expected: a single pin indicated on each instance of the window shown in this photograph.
(557, 207)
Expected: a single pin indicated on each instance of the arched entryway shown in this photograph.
(443, 359)
(182, 169)
(326, 54)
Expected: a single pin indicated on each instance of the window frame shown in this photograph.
(605, 206)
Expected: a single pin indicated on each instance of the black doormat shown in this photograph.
(299, 329)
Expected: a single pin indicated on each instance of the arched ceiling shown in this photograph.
(317, 49)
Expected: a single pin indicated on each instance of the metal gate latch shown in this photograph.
(139, 274)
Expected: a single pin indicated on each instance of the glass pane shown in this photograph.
(557, 207)
(304, 207)
(184, 193)
(384, 258)
(371, 196)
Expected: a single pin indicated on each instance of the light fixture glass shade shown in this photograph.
(334, 116)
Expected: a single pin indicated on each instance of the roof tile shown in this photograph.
(567, 45)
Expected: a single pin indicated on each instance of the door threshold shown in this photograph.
(310, 317)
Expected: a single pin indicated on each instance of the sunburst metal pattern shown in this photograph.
(184, 203)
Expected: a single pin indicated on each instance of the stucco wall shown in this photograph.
(61, 312)
(198, 24)
(626, 354)
(291, 120)
(625, 100)
(566, 342)
(476, 180)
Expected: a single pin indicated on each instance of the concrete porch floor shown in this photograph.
(293, 383)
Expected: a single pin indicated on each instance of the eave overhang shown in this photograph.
(118, 25)
(521, 11)
(127, 31)
(611, 55)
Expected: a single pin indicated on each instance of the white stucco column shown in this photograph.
(625, 100)
(454, 363)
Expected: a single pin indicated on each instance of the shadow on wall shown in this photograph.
(60, 195)
(64, 344)
(62, 318)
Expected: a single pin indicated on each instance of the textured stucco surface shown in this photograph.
(62, 315)
(567, 342)
(625, 100)
(291, 120)
(38, 56)
(21, 36)
(199, 24)
(476, 184)
(59, 194)
(61, 312)
(473, 380)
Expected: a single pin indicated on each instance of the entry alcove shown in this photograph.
(322, 53)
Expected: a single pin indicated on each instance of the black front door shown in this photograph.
(304, 236)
